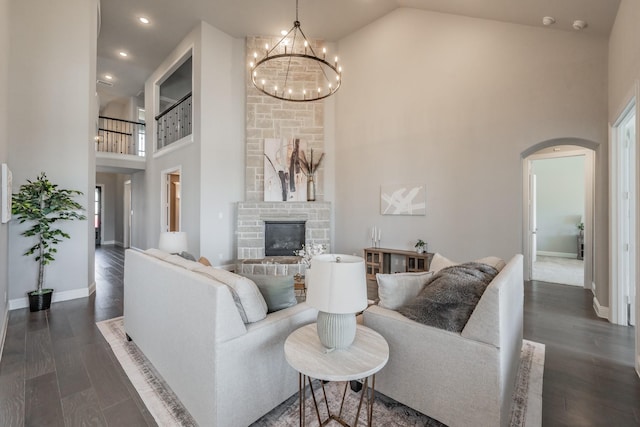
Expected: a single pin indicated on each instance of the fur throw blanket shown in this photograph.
(450, 297)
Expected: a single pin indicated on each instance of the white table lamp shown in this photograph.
(337, 287)
(173, 242)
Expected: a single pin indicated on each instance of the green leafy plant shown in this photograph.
(44, 204)
(580, 226)
(420, 244)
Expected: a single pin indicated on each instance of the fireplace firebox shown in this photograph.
(281, 238)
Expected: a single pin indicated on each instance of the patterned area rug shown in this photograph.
(168, 411)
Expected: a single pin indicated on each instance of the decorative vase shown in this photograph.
(311, 189)
(420, 249)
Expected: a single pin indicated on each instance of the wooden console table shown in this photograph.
(378, 260)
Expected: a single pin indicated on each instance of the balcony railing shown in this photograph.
(175, 122)
(120, 136)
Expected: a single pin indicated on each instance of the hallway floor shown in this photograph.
(566, 271)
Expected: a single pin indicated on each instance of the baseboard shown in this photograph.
(601, 311)
(108, 242)
(92, 288)
(3, 334)
(17, 303)
(557, 254)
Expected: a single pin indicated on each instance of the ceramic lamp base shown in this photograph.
(336, 330)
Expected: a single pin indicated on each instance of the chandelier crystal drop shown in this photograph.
(291, 70)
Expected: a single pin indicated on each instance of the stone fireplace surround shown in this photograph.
(250, 233)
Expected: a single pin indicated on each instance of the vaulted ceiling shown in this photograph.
(148, 44)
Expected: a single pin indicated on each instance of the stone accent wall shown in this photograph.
(268, 117)
(251, 217)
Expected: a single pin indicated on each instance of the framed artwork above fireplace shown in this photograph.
(284, 180)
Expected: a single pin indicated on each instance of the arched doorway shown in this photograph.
(585, 248)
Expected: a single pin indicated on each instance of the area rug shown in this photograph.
(167, 410)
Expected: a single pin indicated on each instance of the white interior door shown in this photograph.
(533, 228)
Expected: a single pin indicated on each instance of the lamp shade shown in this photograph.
(173, 242)
(337, 284)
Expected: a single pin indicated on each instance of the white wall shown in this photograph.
(560, 203)
(221, 101)
(52, 127)
(212, 179)
(452, 102)
(4, 148)
(624, 72)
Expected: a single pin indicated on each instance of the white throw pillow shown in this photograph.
(438, 262)
(493, 261)
(182, 262)
(395, 290)
(157, 253)
(253, 303)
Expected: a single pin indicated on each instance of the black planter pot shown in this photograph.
(40, 300)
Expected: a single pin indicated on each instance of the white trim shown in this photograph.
(618, 312)
(118, 156)
(164, 220)
(182, 142)
(558, 254)
(3, 333)
(600, 310)
(57, 297)
(92, 288)
(109, 242)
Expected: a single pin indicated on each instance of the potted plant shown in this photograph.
(42, 203)
(309, 168)
(580, 226)
(421, 246)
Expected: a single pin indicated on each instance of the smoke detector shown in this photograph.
(548, 20)
(579, 25)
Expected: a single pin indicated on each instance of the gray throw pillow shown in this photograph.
(277, 291)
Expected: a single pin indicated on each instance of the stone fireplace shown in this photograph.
(271, 118)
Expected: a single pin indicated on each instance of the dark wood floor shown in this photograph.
(57, 370)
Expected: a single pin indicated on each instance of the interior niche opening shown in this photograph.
(282, 238)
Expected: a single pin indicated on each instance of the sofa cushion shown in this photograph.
(451, 296)
(251, 300)
(277, 291)
(395, 290)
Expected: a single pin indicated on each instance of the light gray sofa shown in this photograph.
(460, 379)
(225, 372)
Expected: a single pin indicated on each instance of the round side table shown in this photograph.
(366, 356)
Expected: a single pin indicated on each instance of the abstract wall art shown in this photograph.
(284, 180)
(403, 199)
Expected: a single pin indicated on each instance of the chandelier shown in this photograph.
(292, 71)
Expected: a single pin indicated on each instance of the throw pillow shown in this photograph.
(157, 253)
(181, 262)
(252, 301)
(438, 262)
(451, 296)
(187, 255)
(395, 290)
(278, 291)
(493, 261)
(202, 260)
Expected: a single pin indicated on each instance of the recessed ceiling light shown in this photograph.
(143, 20)
(548, 20)
(283, 32)
(123, 54)
(108, 76)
